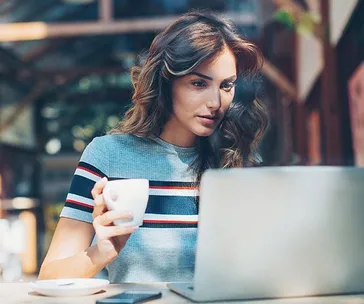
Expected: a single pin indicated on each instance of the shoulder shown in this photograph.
(110, 148)
(121, 142)
(113, 139)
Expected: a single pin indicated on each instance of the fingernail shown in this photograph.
(104, 179)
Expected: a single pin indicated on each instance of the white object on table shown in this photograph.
(68, 287)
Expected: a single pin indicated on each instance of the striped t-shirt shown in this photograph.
(163, 248)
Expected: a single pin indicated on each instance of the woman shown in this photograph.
(182, 122)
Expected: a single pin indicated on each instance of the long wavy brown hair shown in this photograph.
(193, 38)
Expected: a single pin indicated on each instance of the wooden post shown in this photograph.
(105, 10)
(299, 113)
(329, 104)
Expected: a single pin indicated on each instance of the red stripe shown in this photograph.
(78, 203)
(169, 222)
(172, 188)
(88, 170)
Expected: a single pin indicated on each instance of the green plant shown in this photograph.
(303, 23)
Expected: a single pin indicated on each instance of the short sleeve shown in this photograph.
(93, 165)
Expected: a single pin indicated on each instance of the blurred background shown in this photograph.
(64, 79)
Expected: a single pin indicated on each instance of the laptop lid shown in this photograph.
(280, 232)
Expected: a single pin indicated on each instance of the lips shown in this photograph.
(208, 120)
(211, 117)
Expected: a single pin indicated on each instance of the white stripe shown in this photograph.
(76, 214)
(170, 217)
(173, 192)
(87, 174)
(80, 199)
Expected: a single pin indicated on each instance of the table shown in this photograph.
(21, 293)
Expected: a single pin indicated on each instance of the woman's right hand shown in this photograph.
(110, 238)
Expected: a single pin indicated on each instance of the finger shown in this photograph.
(107, 232)
(99, 200)
(98, 187)
(99, 210)
(100, 206)
(108, 217)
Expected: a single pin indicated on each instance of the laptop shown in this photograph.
(277, 232)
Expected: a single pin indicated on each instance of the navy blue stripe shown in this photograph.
(172, 184)
(166, 225)
(91, 168)
(116, 178)
(82, 186)
(179, 205)
(79, 207)
(164, 183)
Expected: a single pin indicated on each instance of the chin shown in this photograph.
(203, 132)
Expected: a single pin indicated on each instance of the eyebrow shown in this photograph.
(210, 78)
(202, 75)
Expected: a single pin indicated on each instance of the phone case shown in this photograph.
(131, 297)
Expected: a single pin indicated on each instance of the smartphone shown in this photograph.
(131, 297)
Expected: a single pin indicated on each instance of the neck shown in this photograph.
(178, 136)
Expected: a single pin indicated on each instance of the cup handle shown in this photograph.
(110, 197)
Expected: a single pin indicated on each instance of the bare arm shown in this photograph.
(70, 254)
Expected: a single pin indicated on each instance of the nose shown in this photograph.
(214, 101)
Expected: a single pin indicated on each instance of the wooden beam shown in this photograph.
(24, 31)
(279, 79)
(105, 10)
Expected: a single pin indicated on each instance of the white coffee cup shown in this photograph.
(128, 195)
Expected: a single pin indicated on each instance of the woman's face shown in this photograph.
(200, 99)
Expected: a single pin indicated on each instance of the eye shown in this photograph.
(228, 86)
(199, 83)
